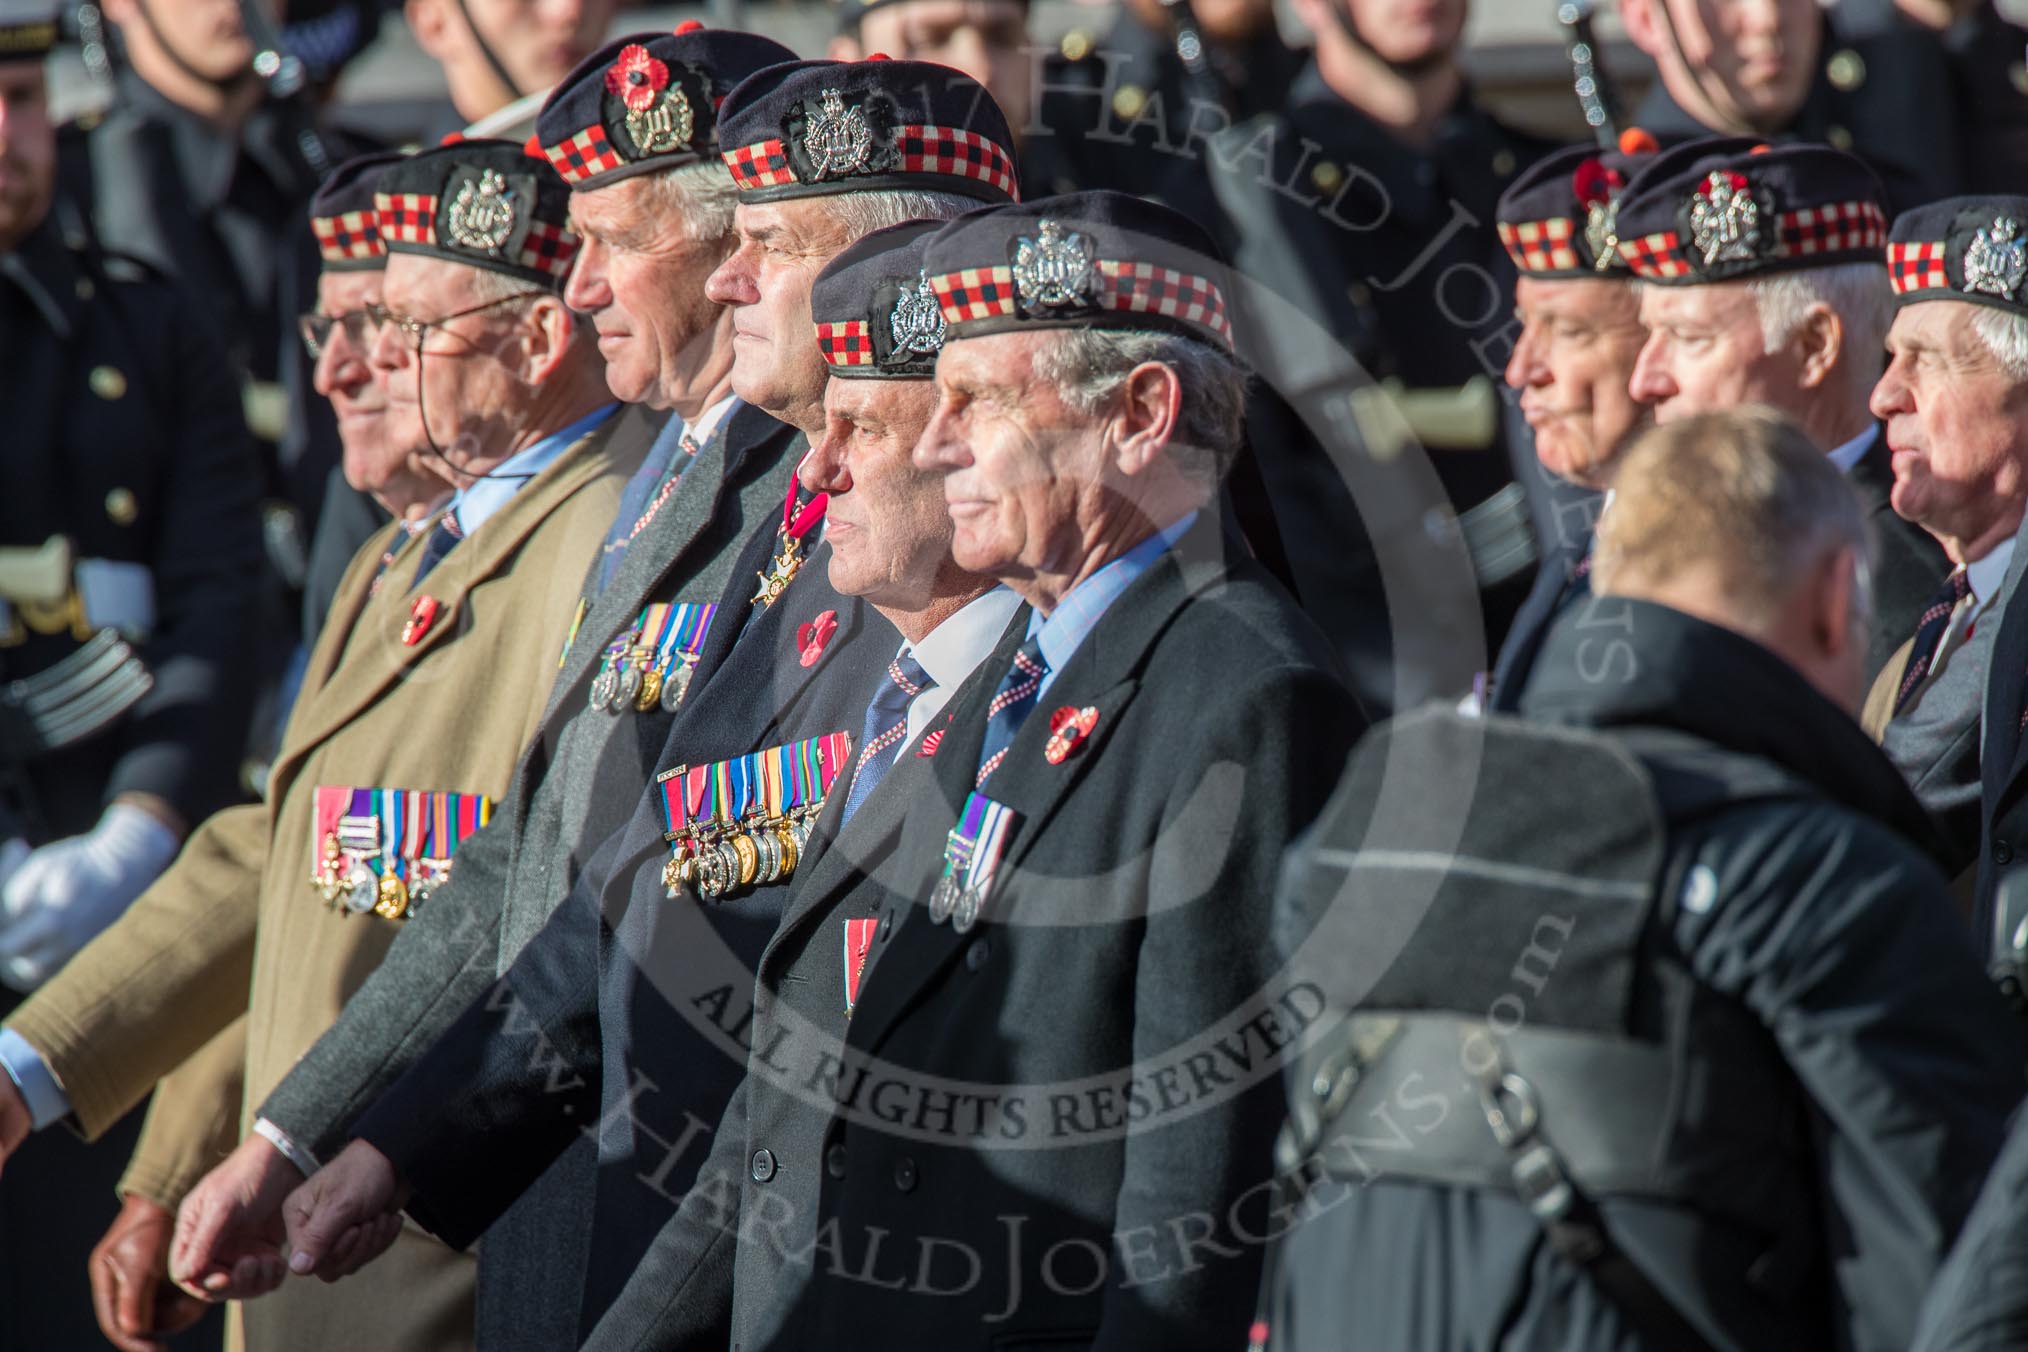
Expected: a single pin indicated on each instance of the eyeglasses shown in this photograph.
(357, 325)
(416, 329)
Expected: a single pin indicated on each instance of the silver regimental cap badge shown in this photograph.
(1997, 259)
(482, 214)
(664, 125)
(1601, 232)
(1058, 270)
(838, 141)
(1725, 220)
(918, 321)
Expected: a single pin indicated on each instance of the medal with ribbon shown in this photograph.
(745, 822)
(788, 560)
(384, 850)
(972, 853)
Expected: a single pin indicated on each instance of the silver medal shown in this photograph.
(362, 890)
(630, 686)
(943, 897)
(966, 913)
(677, 684)
(603, 687)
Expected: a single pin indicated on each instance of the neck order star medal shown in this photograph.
(1058, 270)
(918, 321)
(1725, 220)
(1997, 259)
(481, 216)
(839, 141)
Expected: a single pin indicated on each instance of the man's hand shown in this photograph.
(136, 1307)
(346, 1215)
(15, 1123)
(229, 1234)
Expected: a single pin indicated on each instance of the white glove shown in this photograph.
(69, 890)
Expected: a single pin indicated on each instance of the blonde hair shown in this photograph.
(1741, 495)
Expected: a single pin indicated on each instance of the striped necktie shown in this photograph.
(447, 533)
(886, 724)
(1010, 708)
(1929, 635)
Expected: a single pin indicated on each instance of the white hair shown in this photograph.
(1858, 293)
(2006, 338)
(862, 213)
(701, 196)
(1088, 366)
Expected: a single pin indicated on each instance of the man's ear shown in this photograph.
(1146, 412)
(845, 47)
(1839, 618)
(1644, 30)
(430, 23)
(1820, 339)
(545, 338)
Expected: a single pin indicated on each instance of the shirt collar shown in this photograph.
(1986, 575)
(1084, 605)
(1853, 451)
(951, 651)
(707, 421)
(478, 500)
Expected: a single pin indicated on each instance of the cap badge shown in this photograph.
(838, 142)
(917, 321)
(1058, 270)
(658, 117)
(1598, 188)
(1725, 219)
(482, 214)
(1997, 259)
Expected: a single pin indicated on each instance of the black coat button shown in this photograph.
(763, 1167)
(904, 1174)
(834, 1161)
(976, 955)
(2003, 853)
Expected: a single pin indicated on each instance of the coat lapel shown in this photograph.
(1105, 673)
(376, 658)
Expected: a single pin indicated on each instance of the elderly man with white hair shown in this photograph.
(1763, 284)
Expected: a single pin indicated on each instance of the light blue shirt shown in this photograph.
(486, 495)
(1065, 628)
(31, 1074)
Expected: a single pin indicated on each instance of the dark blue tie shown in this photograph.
(646, 491)
(886, 724)
(446, 534)
(1929, 634)
(1011, 705)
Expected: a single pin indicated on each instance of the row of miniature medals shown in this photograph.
(651, 663)
(746, 822)
(386, 850)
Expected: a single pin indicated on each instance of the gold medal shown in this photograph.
(650, 693)
(393, 902)
(791, 855)
(749, 858)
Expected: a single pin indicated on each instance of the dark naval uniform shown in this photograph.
(1676, 1043)
(1884, 90)
(130, 547)
(1389, 252)
(1121, 110)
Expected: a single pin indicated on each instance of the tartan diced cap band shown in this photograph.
(875, 313)
(343, 216)
(1726, 208)
(1972, 249)
(484, 203)
(816, 128)
(647, 102)
(1083, 260)
(1559, 218)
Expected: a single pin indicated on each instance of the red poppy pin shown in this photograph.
(1068, 727)
(813, 637)
(421, 615)
(636, 77)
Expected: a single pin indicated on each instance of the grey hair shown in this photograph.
(700, 196)
(1858, 293)
(2006, 338)
(487, 286)
(1088, 367)
(862, 213)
